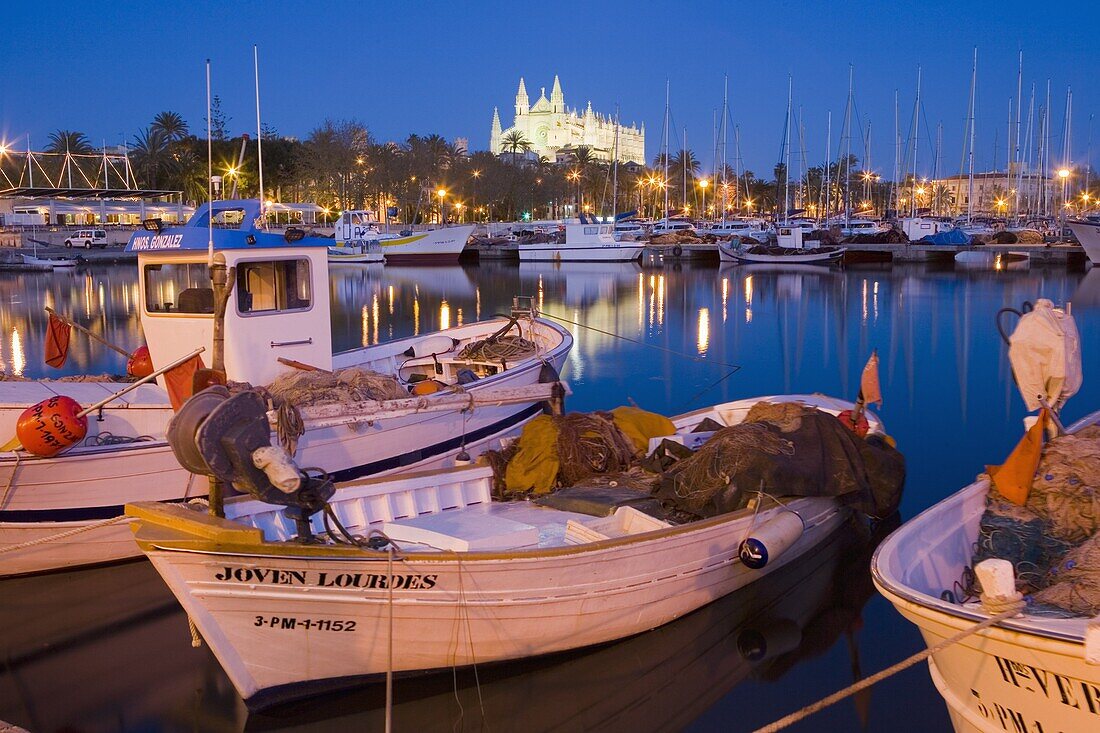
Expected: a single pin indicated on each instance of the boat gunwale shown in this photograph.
(892, 587)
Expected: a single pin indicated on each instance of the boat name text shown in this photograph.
(161, 241)
(277, 576)
(1074, 693)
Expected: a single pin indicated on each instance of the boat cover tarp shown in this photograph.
(952, 236)
(1045, 352)
(785, 449)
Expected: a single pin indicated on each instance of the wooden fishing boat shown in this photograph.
(466, 579)
(66, 510)
(789, 250)
(1031, 671)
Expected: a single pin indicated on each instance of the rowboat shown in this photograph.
(66, 510)
(466, 579)
(1032, 671)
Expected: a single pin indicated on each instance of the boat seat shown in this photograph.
(600, 501)
(471, 529)
(195, 300)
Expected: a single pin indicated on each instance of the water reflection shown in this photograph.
(949, 401)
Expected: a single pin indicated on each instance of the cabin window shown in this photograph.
(178, 288)
(271, 286)
(589, 231)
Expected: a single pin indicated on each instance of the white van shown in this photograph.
(87, 238)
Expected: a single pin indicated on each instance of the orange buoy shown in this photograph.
(140, 364)
(51, 426)
(428, 386)
(859, 427)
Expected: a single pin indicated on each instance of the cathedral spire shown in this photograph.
(523, 104)
(495, 133)
(557, 99)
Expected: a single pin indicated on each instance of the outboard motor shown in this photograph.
(228, 437)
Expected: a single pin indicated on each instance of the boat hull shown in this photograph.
(1088, 234)
(435, 245)
(619, 252)
(470, 608)
(1026, 673)
(729, 254)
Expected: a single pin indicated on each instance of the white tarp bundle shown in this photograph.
(1045, 353)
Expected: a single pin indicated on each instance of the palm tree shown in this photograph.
(171, 124)
(514, 142)
(150, 154)
(68, 141)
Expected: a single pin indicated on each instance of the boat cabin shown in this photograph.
(356, 226)
(278, 306)
(790, 236)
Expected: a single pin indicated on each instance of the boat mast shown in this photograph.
(916, 146)
(1016, 157)
(970, 163)
(828, 164)
(615, 173)
(684, 169)
(800, 194)
(787, 161)
(259, 136)
(897, 155)
(1029, 139)
(209, 177)
(848, 153)
(725, 111)
(936, 164)
(665, 183)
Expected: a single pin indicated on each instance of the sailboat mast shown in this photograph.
(970, 164)
(897, 154)
(916, 146)
(209, 177)
(828, 163)
(936, 165)
(725, 112)
(615, 172)
(848, 153)
(259, 136)
(665, 183)
(787, 145)
(1019, 107)
(684, 168)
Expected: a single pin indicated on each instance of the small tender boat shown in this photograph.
(66, 510)
(590, 242)
(1029, 672)
(363, 252)
(31, 262)
(789, 249)
(467, 579)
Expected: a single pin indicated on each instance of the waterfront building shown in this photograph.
(994, 192)
(551, 128)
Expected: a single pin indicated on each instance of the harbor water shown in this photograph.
(108, 649)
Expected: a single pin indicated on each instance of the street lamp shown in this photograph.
(442, 214)
(703, 185)
(1064, 175)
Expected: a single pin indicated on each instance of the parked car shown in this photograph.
(87, 238)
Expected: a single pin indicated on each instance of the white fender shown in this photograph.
(770, 539)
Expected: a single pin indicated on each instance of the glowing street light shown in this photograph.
(442, 215)
(703, 185)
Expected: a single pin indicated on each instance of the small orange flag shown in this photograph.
(181, 381)
(869, 388)
(57, 341)
(1013, 477)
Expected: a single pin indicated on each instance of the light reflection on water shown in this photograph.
(949, 401)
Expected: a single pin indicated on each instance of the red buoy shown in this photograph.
(140, 364)
(859, 427)
(51, 426)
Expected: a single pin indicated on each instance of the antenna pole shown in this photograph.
(209, 177)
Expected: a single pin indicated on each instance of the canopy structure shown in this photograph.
(43, 192)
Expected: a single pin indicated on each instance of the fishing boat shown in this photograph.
(65, 510)
(442, 245)
(454, 577)
(746, 228)
(1087, 232)
(585, 242)
(789, 249)
(1031, 671)
(363, 252)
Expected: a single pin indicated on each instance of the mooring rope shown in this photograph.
(1012, 607)
(66, 534)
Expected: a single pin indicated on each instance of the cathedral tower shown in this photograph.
(523, 104)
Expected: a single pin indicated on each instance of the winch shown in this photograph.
(227, 436)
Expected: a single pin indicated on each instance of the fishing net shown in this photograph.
(1074, 582)
(1066, 488)
(498, 349)
(790, 450)
(354, 384)
(1017, 534)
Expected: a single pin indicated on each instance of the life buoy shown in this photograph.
(677, 250)
(427, 387)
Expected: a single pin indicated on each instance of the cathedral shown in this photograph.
(553, 130)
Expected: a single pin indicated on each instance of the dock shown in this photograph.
(919, 252)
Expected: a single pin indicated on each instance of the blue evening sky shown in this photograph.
(107, 68)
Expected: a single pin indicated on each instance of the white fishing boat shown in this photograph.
(364, 252)
(1031, 671)
(789, 249)
(470, 579)
(434, 245)
(583, 243)
(65, 510)
(1087, 232)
